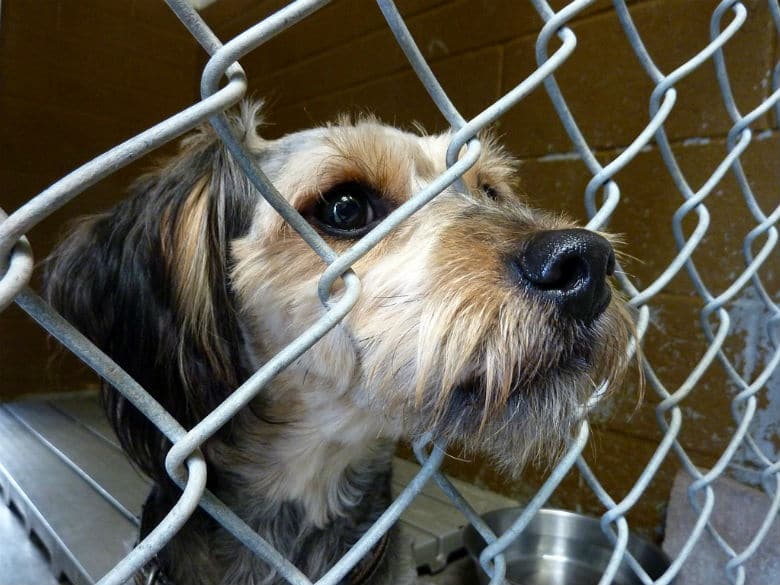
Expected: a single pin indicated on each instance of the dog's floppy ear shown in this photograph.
(148, 282)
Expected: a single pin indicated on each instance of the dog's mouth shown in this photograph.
(481, 390)
(474, 411)
(563, 364)
(534, 379)
(523, 399)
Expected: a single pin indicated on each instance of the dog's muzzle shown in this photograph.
(570, 268)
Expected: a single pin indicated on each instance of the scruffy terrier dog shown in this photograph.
(481, 320)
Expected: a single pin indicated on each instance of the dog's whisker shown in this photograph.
(462, 459)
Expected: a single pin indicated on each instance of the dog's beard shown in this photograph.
(451, 346)
(515, 402)
(514, 393)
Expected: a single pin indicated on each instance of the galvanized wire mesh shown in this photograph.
(602, 197)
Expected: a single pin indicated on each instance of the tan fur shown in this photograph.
(186, 250)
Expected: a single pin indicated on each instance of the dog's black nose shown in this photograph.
(569, 267)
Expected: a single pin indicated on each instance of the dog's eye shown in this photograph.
(347, 210)
(490, 191)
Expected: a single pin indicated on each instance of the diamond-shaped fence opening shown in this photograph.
(739, 318)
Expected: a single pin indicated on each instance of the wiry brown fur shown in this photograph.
(195, 281)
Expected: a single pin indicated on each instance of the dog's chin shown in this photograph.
(515, 403)
(535, 422)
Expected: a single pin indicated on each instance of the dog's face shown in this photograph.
(480, 318)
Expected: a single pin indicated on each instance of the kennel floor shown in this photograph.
(63, 474)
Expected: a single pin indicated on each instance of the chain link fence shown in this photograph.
(223, 84)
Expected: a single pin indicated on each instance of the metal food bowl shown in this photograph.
(562, 548)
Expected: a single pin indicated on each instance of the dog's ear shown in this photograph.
(148, 283)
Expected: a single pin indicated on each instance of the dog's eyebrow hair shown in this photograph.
(423, 165)
(494, 167)
(386, 162)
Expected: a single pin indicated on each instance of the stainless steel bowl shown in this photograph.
(562, 548)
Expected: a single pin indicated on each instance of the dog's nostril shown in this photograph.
(569, 267)
(611, 263)
(561, 275)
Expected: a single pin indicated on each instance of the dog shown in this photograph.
(481, 320)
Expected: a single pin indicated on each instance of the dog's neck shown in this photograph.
(308, 473)
(204, 554)
(305, 447)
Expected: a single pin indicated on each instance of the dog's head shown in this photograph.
(480, 318)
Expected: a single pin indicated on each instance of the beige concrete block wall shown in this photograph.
(76, 81)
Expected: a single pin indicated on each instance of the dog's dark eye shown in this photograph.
(347, 210)
(490, 191)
